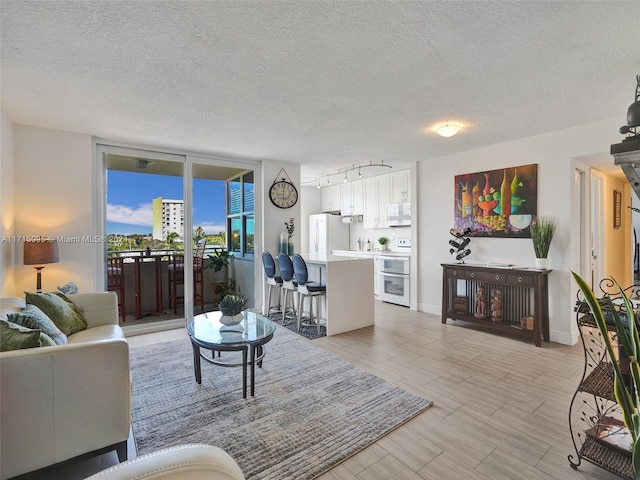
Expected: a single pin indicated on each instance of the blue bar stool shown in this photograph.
(273, 281)
(288, 285)
(307, 289)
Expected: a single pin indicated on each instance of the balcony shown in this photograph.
(149, 302)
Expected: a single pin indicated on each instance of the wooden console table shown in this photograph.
(525, 293)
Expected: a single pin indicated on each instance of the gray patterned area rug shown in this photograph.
(311, 411)
(307, 332)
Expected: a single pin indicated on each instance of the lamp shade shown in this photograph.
(39, 253)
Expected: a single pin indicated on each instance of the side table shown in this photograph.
(248, 337)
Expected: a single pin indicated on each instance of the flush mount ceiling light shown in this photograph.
(448, 129)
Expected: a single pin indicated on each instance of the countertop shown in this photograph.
(365, 254)
(323, 259)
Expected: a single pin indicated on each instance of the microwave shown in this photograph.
(399, 214)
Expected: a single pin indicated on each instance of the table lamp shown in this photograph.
(38, 254)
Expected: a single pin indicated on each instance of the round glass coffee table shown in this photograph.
(248, 337)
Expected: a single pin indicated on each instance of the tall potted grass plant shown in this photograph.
(542, 231)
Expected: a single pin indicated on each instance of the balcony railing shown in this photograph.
(146, 283)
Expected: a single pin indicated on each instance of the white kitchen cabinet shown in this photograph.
(376, 199)
(353, 198)
(332, 198)
(399, 186)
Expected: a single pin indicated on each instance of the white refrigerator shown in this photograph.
(327, 233)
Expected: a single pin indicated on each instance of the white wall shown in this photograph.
(274, 218)
(553, 153)
(7, 225)
(53, 196)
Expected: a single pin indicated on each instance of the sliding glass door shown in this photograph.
(147, 244)
(167, 214)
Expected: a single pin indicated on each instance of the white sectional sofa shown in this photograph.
(66, 401)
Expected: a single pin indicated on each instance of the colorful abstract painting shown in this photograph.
(497, 203)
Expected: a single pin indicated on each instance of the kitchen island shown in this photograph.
(349, 303)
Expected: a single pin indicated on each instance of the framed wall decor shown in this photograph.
(617, 208)
(497, 203)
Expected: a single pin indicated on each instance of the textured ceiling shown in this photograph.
(323, 84)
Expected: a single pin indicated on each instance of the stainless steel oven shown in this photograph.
(394, 279)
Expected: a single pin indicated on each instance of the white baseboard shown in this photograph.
(562, 337)
(429, 308)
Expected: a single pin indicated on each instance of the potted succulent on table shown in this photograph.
(542, 231)
(383, 241)
(231, 307)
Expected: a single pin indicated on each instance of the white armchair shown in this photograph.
(184, 462)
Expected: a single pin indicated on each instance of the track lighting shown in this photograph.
(346, 171)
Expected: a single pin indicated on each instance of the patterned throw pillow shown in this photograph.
(16, 337)
(59, 309)
(32, 317)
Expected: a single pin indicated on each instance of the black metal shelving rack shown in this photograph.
(594, 402)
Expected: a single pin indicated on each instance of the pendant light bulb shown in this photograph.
(345, 178)
(359, 173)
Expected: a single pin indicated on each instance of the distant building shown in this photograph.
(168, 216)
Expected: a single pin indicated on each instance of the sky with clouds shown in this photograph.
(129, 197)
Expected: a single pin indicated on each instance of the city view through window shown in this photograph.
(147, 240)
(147, 211)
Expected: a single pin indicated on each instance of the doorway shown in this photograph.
(598, 250)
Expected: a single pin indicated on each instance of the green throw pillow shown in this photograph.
(16, 337)
(59, 309)
(32, 317)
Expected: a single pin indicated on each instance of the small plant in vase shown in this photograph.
(383, 241)
(542, 231)
(291, 227)
(231, 307)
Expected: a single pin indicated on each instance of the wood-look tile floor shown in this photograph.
(501, 404)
